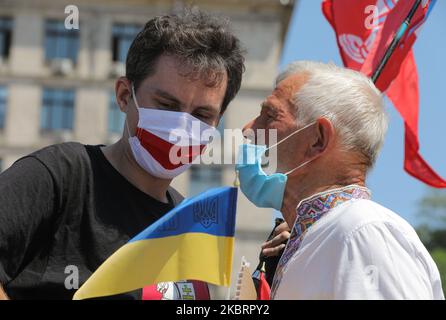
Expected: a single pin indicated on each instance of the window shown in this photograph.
(3, 94)
(203, 177)
(122, 37)
(116, 117)
(5, 36)
(57, 109)
(60, 42)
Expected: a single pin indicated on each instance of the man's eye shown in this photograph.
(208, 119)
(165, 105)
(203, 116)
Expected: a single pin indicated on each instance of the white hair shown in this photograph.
(347, 98)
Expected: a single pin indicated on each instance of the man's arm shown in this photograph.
(26, 212)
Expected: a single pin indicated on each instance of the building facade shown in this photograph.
(57, 84)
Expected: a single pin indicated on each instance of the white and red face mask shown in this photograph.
(167, 142)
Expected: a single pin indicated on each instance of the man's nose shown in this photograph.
(248, 129)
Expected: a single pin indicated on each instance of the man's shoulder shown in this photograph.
(66, 149)
(357, 215)
(62, 157)
(370, 228)
(61, 152)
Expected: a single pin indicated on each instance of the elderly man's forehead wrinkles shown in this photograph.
(287, 88)
(290, 85)
(281, 91)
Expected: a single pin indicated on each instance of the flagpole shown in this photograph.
(399, 35)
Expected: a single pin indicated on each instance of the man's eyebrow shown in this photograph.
(266, 105)
(208, 108)
(173, 99)
(167, 96)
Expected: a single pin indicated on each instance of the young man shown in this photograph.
(73, 205)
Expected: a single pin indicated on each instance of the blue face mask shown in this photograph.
(264, 191)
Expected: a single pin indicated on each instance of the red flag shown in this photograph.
(364, 30)
(403, 92)
(261, 284)
(264, 290)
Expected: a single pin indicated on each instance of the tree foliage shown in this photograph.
(432, 211)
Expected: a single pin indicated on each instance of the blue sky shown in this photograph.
(311, 38)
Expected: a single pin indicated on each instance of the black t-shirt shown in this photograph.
(64, 209)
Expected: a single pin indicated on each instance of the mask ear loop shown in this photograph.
(236, 182)
(299, 166)
(127, 127)
(137, 107)
(134, 96)
(291, 134)
(298, 130)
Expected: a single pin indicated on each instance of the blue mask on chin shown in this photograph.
(264, 191)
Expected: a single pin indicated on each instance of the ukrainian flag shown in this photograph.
(194, 241)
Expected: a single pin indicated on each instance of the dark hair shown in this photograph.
(201, 42)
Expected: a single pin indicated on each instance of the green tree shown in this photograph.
(439, 256)
(433, 208)
(432, 231)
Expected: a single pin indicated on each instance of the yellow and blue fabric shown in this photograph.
(195, 241)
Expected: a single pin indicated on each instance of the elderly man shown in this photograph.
(331, 124)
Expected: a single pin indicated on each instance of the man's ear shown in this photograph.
(123, 92)
(323, 138)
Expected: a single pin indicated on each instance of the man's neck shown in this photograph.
(299, 188)
(121, 158)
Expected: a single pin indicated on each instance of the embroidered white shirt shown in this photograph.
(360, 250)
